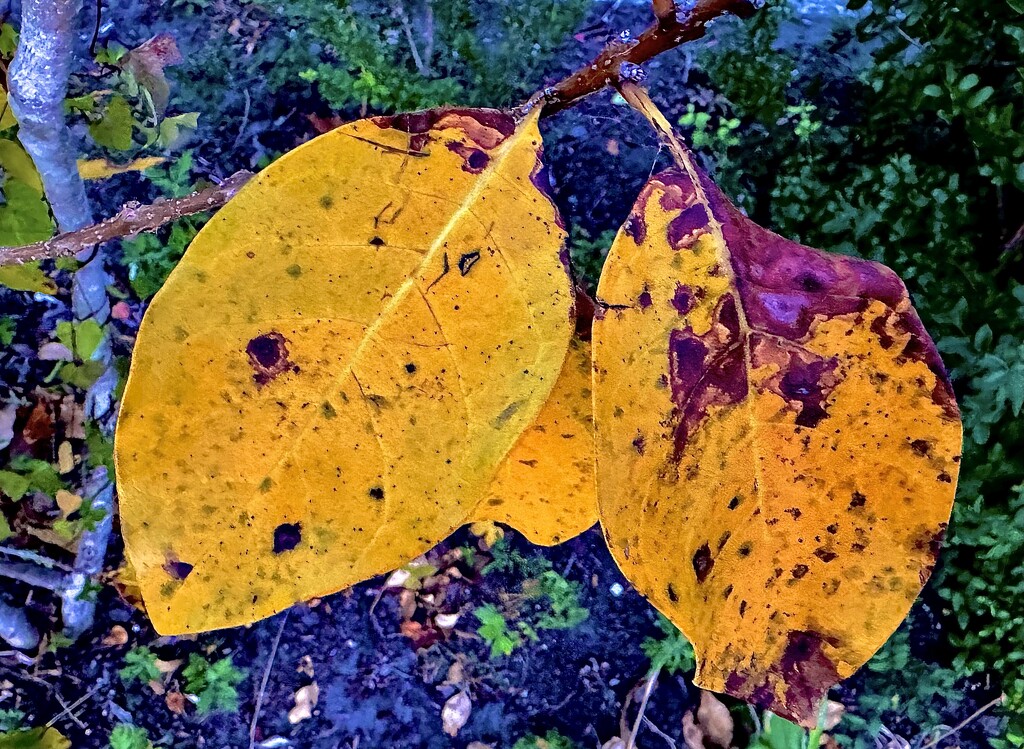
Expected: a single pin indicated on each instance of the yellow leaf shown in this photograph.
(545, 486)
(27, 277)
(16, 163)
(102, 168)
(34, 738)
(777, 441)
(328, 381)
(7, 118)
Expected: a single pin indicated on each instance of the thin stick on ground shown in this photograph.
(966, 721)
(266, 679)
(130, 220)
(652, 680)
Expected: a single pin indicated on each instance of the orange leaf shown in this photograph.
(778, 443)
(545, 486)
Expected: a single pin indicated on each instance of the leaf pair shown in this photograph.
(371, 346)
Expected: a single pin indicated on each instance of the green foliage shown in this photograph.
(909, 149)
(563, 601)
(151, 257)
(84, 518)
(495, 631)
(505, 559)
(778, 733)
(587, 252)
(551, 740)
(213, 683)
(139, 666)
(24, 474)
(394, 57)
(672, 653)
(547, 601)
(8, 329)
(126, 736)
(11, 719)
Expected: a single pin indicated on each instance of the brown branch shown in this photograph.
(670, 30)
(130, 220)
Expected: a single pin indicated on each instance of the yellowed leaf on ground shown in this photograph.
(103, 169)
(778, 444)
(545, 486)
(330, 378)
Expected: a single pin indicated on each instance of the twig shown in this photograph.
(1016, 240)
(969, 719)
(652, 680)
(73, 705)
(667, 32)
(31, 574)
(130, 220)
(668, 739)
(31, 556)
(266, 678)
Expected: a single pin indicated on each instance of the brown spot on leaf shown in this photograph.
(268, 356)
(702, 563)
(825, 555)
(287, 537)
(467, 261)
(177, 569)
(857, 500)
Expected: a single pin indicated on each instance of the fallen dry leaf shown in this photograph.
(175, 702)
(116, 637)
(456, 712)
(446, 621)
(305, 700)
(167, 667)
(834, 712)
(67, 501)
(692, 735)
(305, 666)
(715, 720)
(65, 457)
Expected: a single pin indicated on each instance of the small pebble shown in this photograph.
(616, 590)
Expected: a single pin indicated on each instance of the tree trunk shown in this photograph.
(38, 80)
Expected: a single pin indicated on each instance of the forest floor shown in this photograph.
(382, 667)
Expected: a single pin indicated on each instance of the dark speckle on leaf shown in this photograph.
(287, 537)
(377, 493)
(177, 569)
(702, 563)
(268, 356)
(467, 261)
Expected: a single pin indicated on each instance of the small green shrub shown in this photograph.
(126, 736)
(213, 683)
(495, 631)
(672, 653)
(563, 601)
(389, 57)
(151, 257)
(11, 719)
(139, 666)
(551, 740)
